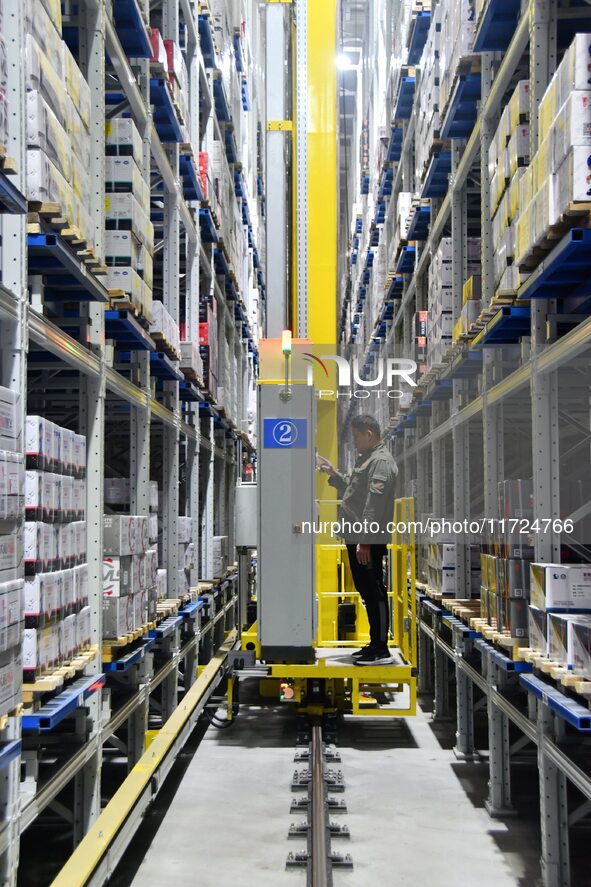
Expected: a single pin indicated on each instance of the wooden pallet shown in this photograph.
(119, 301)
(191, 376)
(167, 607)
(8, 164)
(55, 678)
(163, 345)
(49, 215)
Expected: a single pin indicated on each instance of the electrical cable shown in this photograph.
(217, 722)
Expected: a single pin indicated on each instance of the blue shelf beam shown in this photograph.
(131, 29)
(579, 716)
(396, 287)
(207, 226)
(406, 93)
(567, 267)
(66, 278)
(189, 393)
(11, 199)
(497, 25)
(507, 327)
(162, 367)
(466, 365)
(418, 36)
(130, 659)
(190, 177)
(438, 172)
(394, 151)
(123, 328)
(406, 259)
(442, 389)
(63, 705)
(165, 118)
(420, 221)
(166, 628)
(206, 40)
(463, 107)
(221, 102)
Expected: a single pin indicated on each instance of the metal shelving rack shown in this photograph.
(453, 450)
(197, 442)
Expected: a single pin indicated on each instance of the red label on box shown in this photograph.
(203, 166)
(204, 333)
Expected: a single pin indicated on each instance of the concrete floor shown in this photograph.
(416, 814)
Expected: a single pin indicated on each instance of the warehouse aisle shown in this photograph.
(416, 815)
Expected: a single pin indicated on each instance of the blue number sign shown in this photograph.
(284, 434)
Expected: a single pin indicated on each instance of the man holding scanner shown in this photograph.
(367, 497)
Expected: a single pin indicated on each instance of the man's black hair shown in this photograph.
(365, 422)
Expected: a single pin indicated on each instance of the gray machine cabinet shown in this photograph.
(286, 556)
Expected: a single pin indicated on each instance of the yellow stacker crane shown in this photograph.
(302, 577)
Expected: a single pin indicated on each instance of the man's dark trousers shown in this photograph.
(369, 582)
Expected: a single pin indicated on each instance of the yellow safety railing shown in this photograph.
(403, 579)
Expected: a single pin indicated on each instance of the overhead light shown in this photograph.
(344, 62)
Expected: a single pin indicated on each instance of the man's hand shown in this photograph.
(363, 553)
(325, 466)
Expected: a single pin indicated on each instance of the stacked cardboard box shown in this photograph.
(441, 568)
(457, 38)
(128, 249)
(441, 296)
(130, 566)
(428, 117)
(165, 329)
(12, 474)
(56, 573)
(129, 240)
(560, 595)
(559, 173)
(130, 574)
(508, 160)
(58, 121)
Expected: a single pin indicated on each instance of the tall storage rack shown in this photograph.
(509, 396)
(93, 366)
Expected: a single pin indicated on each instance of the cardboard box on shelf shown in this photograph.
(117, 616)
(124, 212)
(538, 629)
(117, 576)
(560, 586)
(43, 76)
(120, 534)
(122, 139)
(581, 649)
(560, 636)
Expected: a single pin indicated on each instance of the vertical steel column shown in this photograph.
(544, 387)
(13, 370)
(207, 505)
(441, 706)
(425, 678)
(170, 435)
(192, 493)
(302, 120)
(87, 783)
(487, 132)
(278, 151)
(460, 434)
(464, 747)
(171, 270)
(499, 784)
(553, 806)
(137, 723)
